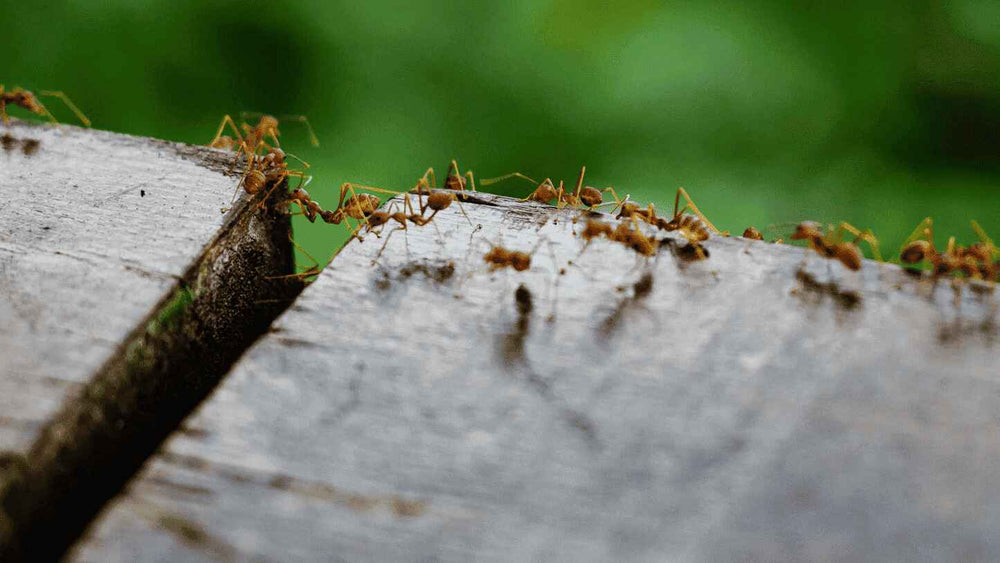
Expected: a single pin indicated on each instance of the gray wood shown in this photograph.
(763, 404)
(95, 228)
(125, 296)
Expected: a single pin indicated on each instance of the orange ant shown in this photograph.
(976, 261)
(262, 170)
(633, 237)
(546, 191)
(752, 233)
(695, 228)
(455, 180)
(583, 196)
(359, 206)
(627, 233)
(27, 100)
(253, 136)
(831, 245)
(438, 200)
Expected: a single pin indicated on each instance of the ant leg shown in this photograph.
(579, 183)
(226, 119)
(69, 103)
(618, 201)
(313, 270)
(387, 237)
(490, 181)
(462, 209)
(304, 163)
(423, 179)
(924, 229)
(453, 168)
(303, 120)
(867, 236)
(985, 239)
(693, 207)
(472, 179)
(250, 166)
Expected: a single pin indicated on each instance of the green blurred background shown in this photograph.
(873, 112)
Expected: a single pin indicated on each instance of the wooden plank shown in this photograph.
(762, 404)
(126, 296)
(95, 228)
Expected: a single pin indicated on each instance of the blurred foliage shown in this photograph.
(878, 113)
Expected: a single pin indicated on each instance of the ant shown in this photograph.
(439, 200)
(831, 244)
(630, 236)
(634, 238)
(262, 170)
(695, 228)
(583, 196)
(254, 136)
(976, 261)
(752, 233)
(27, 100)
(359, 206)
(546, 191)
(455, 180)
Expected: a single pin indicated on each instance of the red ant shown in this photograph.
(253, 137)
(455, 180)
(262, 170)
(627, 233)
(979, 260)
(831, 245)
(27, 100)
(546, 191)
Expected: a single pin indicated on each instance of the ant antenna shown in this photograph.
(490, 181)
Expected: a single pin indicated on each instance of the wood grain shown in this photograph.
(763, 404)
(125, 307)
(95, 228)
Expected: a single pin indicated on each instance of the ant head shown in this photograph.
(224, 142)
(29, 101)
(454, 181)
(752, 233)
(268, 124)
(806, 230)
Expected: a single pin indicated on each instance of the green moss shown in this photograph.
(171, 313)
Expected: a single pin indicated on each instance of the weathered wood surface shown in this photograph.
(95, 228)
(125, 298)
(763, 404)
